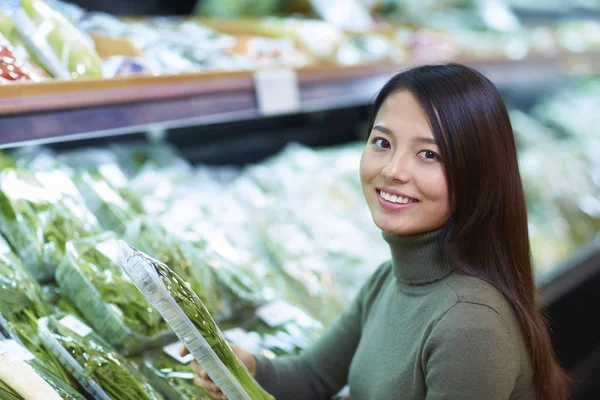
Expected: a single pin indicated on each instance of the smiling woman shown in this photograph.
(453, 314)
(401, 170)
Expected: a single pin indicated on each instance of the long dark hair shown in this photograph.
(486, 236)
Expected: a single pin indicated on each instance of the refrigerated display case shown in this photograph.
(217, 119)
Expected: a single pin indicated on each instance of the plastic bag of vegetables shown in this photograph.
(171, 375)
(190, 320)
(64, 50)
(104, 200)
(15, 351)
(98, 367)
(183, 258)
(106, 297)
(22, 302)
(38, 221)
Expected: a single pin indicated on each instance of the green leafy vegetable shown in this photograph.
(6, 392)
(183, 258)
(198, 314)
(107, 298)
(119, 378)
(38, 221)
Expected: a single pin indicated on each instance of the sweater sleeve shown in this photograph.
(322, 370)
(470, 355)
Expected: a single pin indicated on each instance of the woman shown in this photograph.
(453, 315)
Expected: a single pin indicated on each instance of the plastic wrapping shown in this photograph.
(106, 297)
(37, 221)
(185, 260)
(17, 350)
(190, 320)
(103, 372)
(173, 378)
(63, 49)
(104, 200)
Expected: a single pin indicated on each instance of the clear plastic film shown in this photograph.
(106, 297)
(98, 367)
(37, 221)
(63, 50)
(192, 323)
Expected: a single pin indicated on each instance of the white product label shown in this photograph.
(277, 91)
(278, 312)
(109, 248)
(173, 351)
(74, 324)
(15, 351)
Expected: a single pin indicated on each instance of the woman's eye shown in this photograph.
(429, 155)
(382, 143)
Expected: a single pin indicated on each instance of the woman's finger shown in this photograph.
(209, 387)
(199, 371)
(183, 351)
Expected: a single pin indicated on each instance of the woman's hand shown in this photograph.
(203, 380)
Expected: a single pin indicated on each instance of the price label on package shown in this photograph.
(74, 324)
(14, 351)
(277, 91)
(173, 351)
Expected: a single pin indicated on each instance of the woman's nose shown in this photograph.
(397, 170)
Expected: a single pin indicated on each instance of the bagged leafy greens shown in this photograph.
(15, 351)
(64, 50)
(172, 377)
(22, 302)
(98, 367)
(104, 200)
(37, 221)
(106, 297)
(188, 317)
(183, 258)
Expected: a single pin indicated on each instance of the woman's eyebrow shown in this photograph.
(427, 140)
(383, 129)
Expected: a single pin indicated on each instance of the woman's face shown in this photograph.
(401, 171)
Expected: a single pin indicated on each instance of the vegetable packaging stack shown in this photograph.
(23, 377)
(22, 302)
(37, 221)
(98, 367)
(192, 323)
(63, 50)
(106, 297)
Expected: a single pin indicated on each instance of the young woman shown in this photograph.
(453, 315)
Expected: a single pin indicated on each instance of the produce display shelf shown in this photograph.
(56, 111)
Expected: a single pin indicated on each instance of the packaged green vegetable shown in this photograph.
(22, 302)
(64, 50)
(98, 367)
(106, 297)
(183, 258)
(37, 221)
(192, 323)
(104, 200)
(171, 375)
(15, 351)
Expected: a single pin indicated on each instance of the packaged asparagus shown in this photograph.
(192, 323)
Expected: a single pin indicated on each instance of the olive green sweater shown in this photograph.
(418, 329)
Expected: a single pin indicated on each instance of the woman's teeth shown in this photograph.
(395, 199)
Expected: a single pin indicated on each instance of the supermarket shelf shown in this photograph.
(57, 111)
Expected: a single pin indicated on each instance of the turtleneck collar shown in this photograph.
(417, 259)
